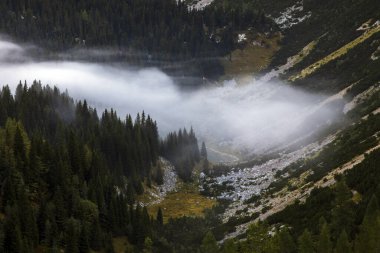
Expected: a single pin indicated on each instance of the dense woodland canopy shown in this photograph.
(68, 178)
(183, 151)
(158, 27)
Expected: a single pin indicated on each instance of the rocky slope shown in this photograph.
(325, 53)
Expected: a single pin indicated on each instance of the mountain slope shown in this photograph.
(70, 179)
(329, 54)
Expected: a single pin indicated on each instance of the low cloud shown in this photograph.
(252, 117)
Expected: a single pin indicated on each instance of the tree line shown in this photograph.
(182, 150)
(164, 28)
(69, 178)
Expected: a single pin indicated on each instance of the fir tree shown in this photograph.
(204, 151)
(343, 216)
(305, 243)
(257, 237)
(324, 241)
(83, 241)
(160, 218)
(229, 246)
(286, 242)
(343, 245)
(369, 232)
(209, 244)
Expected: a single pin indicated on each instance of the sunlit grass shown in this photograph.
(186, 201)
(252, 58)
(338, 53)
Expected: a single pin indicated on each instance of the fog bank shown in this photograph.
(252, 117)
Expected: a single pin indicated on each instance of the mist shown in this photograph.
(229, 117)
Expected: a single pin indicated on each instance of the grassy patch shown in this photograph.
(253, 57)
(120, 244)
(186, 201)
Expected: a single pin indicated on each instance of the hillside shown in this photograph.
(286, 96)
(293, 189)
(71, 180)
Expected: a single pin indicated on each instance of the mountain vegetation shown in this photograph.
(163, 29)
(69, 179)
(331, 26)
(183, 151)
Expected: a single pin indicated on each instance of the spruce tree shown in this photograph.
(343, 245)
(286, 242)
(369, 231)
(96, 236)
(160, 218)
(204, 151)
(159, 176)
(324, 241)
(229, 246)
(257, 237)
(13, 241)
(83, 241)
(305, 243)
(209, 244)
(72, 236)
(342, 214)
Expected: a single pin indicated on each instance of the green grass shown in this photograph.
(186, 201)
(251, 58)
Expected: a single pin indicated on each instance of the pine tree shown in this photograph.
(229, 246)
(2, 236)
(28, 223)
(83, 241)
(160, 218)
(204, 151)
(13, 241)
(286, 242)
(159, 176)
(342, 214)
(305, 243)
(343, 245)
(257, 237)
(60, 209)
(368, 239)
(324, 241)
(95, 236)
(130, 193)
(209, 244)
(20, 151)
(72, 236)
